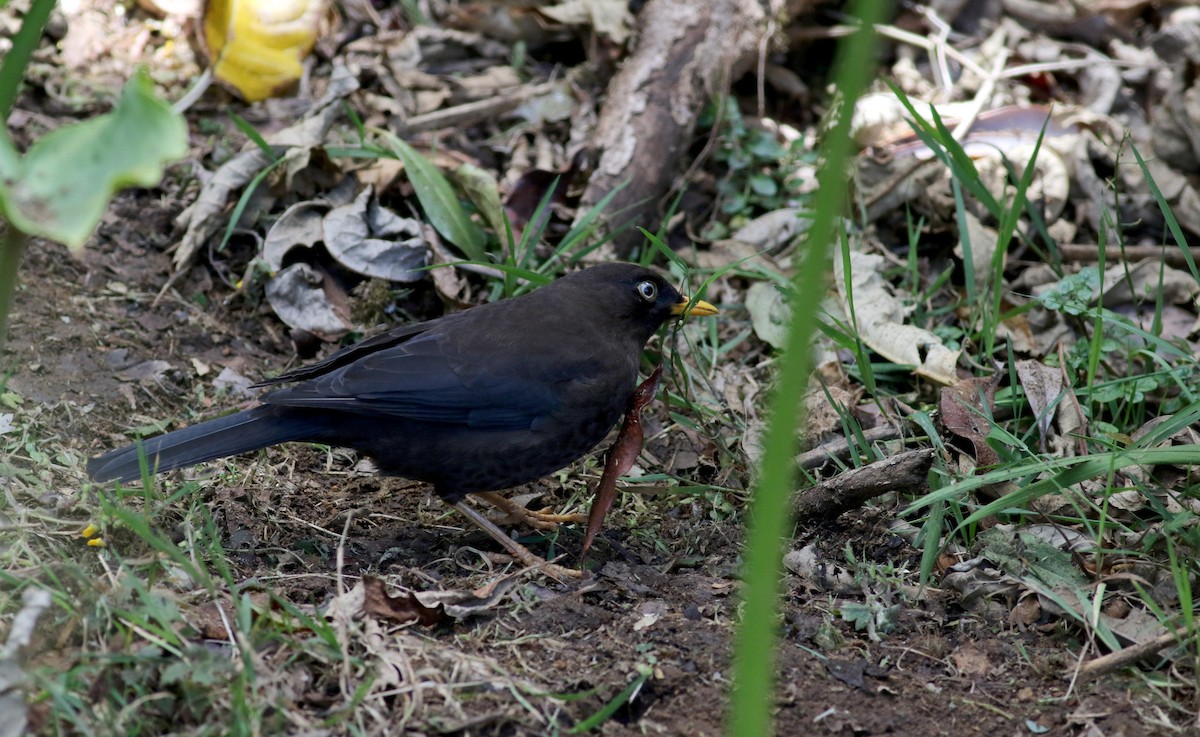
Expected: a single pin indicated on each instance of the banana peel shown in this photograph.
(258, 47)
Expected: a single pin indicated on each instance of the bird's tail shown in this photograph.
(225, 436)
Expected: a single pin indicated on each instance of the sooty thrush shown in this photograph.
(477, 401)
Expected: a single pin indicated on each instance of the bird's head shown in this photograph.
(636, 300)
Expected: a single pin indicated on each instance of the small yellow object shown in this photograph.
(257, 46)
(90, 534)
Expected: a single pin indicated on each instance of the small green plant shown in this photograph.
(62, 185)
(760, 173)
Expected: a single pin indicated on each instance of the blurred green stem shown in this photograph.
(12, 70)
(12, 250)
(757, 636)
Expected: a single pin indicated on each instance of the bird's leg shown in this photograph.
(520, 515)
(519, 552)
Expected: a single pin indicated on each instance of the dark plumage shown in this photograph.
(480, 400)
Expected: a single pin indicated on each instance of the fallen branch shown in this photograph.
(904, 472)
(1127, 656)
(841, 447)
(686, 54)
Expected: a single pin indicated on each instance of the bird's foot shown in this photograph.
(559, 573)
(519, 515)
(516, 550)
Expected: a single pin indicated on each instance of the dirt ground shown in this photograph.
(664, 592)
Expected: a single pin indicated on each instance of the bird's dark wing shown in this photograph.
(353, 353)
(421, 378)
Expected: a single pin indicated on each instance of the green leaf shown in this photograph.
(764, 146)
(859, 615)
(734, 204)
(1072, 294)
(438, 200)
(62, 186)
(764, 185)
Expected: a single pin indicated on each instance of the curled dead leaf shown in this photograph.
(880, 318)
(404, 608)
(621, 456)
(966, 411)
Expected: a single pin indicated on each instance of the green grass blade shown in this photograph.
(755, 645)
(254, 136)
(1005, 231)
(1168, 216)
(606, 711)
(438, 200)
(244, 201)
(938, 139)
(964, 239)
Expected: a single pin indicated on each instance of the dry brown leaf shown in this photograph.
(971, 661)
(403, 608)
(307, 298)
(770, 313)
(204, 217)
(880, 315)
(609, 18)
(966, 411)
(1027, 611)
(621, 456)
(1042, 384)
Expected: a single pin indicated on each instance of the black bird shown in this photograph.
(477, 401)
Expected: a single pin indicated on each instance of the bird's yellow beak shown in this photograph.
(699, 308)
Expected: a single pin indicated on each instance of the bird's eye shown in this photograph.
(648, 290)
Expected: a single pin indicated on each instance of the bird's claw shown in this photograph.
(515, 514)
(516, 550)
